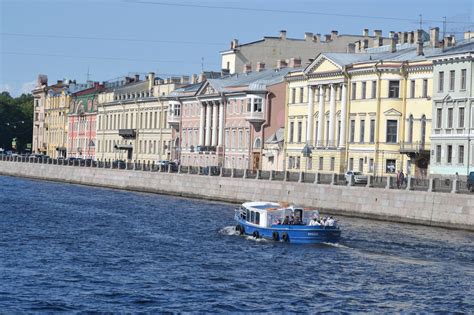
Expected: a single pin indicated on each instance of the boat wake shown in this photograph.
(228, 230)
(338, 245)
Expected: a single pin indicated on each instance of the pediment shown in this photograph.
(447, 98)
(392, 112)
(207, 89)
(322, 64)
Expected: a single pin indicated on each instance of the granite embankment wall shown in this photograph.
(427, 208)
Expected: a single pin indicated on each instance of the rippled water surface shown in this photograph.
(76, 248)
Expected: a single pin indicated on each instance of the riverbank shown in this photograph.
(418, 207)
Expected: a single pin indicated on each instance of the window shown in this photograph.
(361, 165)
(297, 164)
(321, 163)
(290, 162)
(425, 88)
(257, 217)
(423, 130)
(354, 91)
(371, 165)
(374, 89)
(394, 89)
(300, 131)
(362, 131)
(452, 74)
(390, 166)
(410, 129)
(372, 130)
(392, 131)
(440, 81)
(257, 104)
(240, 145)
(450, 118)
(438, 154)
(351, 140)
(333, 163)
(450, 154)
(461, 117)
(363, 92)
(301, 94)
(412, 89)
(293, 95)
(292, 131)
(338, 131)
(351, 164)
(461, 154)
(439, 117)
(463, 79)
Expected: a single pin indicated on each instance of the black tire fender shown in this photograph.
(256, 234)
(285, 237)
(275, 236)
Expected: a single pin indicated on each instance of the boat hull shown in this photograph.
(296, 234)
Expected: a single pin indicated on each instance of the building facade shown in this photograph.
(132, 120)
(452, 133)
(366, 112)
(223, 122)
(82, 118)
(39, 144)
(270, 49)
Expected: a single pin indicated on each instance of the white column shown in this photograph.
(321, 116)
(201, 125)
(309, 125)
(221, 124)
(208, 124)
(214, 123)
(332, 116)
(342, 138)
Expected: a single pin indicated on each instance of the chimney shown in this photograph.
(327, 38)
(260, 66)
(393, 44)
(468, 35)
(358, 46)
(411, 38)
(295, 62)
(281, 63)
(184, 79)
(391, 34)
(434, 37)
(377, 33)
(308, 36)
(351, 48)
(448, 41)
(419, 43)
(151, 80)
(283, 34)
(193, 79)
(365, 33)
(405, 37)
(60, 82)
(202, 77)
(333, 35)
(137, 77)
(234, 43)
(400, 37)
(378, 40)
(247, 68)
(366, 43)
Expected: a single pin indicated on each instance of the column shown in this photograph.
(309, 125)
(201, 125)
(221, 124)
(321, 116)
(332, 116)
(342, 138)
(208, 124)
(214, 123)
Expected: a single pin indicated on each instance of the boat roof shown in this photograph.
(262, 205)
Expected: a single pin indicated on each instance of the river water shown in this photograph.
(75, 248)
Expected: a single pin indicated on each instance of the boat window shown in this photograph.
(257, 218)
(248, 215)
(252, 216)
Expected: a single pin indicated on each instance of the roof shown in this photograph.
(278, 136)
(466, 46)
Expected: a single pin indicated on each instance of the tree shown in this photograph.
(16, 121)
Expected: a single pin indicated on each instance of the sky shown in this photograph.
(106, 39)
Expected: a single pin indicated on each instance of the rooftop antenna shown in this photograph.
(88, 74)
(202, 64)
(421, 21)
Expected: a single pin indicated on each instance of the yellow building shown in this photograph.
(367, 112)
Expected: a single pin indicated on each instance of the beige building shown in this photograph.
(39, 94)
(270, 49)
(132, 120)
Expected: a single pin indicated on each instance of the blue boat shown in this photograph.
(284, 223)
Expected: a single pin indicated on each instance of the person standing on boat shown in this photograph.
(314, 222)
(286, 221)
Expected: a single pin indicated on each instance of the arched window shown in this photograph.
(410, 129)
(423, 130)
(257, 143)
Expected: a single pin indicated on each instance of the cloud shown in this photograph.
(27, 87)
(5, 87)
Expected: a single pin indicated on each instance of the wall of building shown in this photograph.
(437, 209)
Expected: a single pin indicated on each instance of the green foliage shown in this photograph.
(16, 120)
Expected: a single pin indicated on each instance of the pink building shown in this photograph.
(223, 122)
(82, 119)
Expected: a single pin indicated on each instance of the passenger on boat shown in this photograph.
(297, 221)
(278, 222)
(292, 220)
(286, 221)
(314, 222)
(330, 222)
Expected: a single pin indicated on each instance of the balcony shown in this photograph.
(174, 120)
(414, 147)
(255, 118)
(128, 133)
